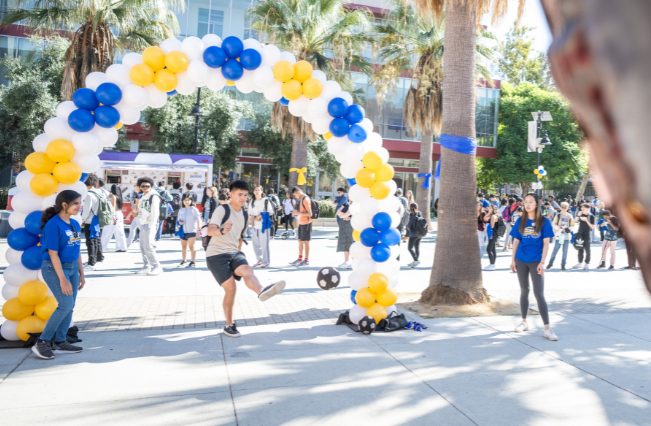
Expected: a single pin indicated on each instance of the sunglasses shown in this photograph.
(145, 186)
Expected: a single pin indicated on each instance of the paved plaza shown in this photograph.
(154, 353)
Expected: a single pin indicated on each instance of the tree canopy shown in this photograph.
(519, 63)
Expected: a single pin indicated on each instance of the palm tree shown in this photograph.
(415, 42)
(456, 275)
(316, 31)
(101, 28)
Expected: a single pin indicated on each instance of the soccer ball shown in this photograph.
(328, 278)
(367, 325)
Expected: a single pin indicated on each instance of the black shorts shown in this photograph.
(223, 266)
(189, 235)
(305, 232)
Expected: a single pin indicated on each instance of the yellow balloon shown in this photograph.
(380, 190)
(177, 61)
(283, 71)
(387, 297)
(15, 310)
(365, 297)
(327, 136)
(141, 75)
(154, 57)
(302, 71)
(165, 80)
(378, 282)
(312, 88)
(67, 173)
(46, 308)
(60, 150)
(356, 234)
(384, 173)
(118, 126)
(230, 83)
(39, 162)
(372, 161)
(32, 292)
(291, 90)
(44, 185)
(377, 311)
(365, 178)
(30, 324)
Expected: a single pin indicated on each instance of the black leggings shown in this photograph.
(289, 221)
(524, 270)
(491, 249)
(414, 247)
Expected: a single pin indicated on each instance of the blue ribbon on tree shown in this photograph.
(457, 144)
(427, 177)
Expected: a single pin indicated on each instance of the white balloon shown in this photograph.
(155, 98)
(319, 75)
(87, 163)
(270, 55)
(12, 256)
(299, 106)
(185, 86)
(263, 76)
(131, 59)
(133, 96)
(289, 57)
(367, 125)
(26, 202)
(172, 44)
(251, 43)
(360, 222)
(337, 146)
(346, 97)
(395, 219)
(57, 128)
(94, 79)
(349, 170)
(16, 274)
(40, 142)
(358, 195)
(41, 279)
(65, 108)
(23, 179)
(99, 150)
(389, 268)
(318, 107)
(383, 153)
(321, 125)
(340, 158)
(17, 219)
(85, 143)
(354, 152)
(355, 208)
(356, 281)
(198, 71)
(395, 251)
(389, 205)
(359, 251)
(307, 117)
(370, 207)
(257, 88)
(118, 74)
(393, 187)
(367, 267)
(209, 40)
(393, 281)
(128, 115)
(9, 291)
(356, 314)
(391, 309)
(273, 93)
(193, 47)
(8, 330)
(79, 187)
(245, 84)
(331, 90)
(106, 137)
(216, 80)
(373, 141)
(49, 201)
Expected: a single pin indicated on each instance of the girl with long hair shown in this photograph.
(62, 271)
(410, 198)
(190, 218)
(210, 203)
(414, 240)
(260, 207)
(531, 235)
(117, 227)
(492, 219)
(481, 230)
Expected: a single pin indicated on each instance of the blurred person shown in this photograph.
(117, 227)
(166, 198)
(345, 239)
(149, 211)
(562, 224)
(210, 203)
(92, 230)
(190, 219)
(260, 212)
(610, 239)
(303, 211)
(414, 239)
(134, 227)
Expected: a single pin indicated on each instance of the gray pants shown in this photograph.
(146, 245)
(524, 271)
(261, 244)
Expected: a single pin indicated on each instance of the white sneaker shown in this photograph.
(349, 265)
(549, 334)
(586, 267)
(523, 326)
(89, 268)
(343, 266)
(409, 264)
(489, 268)
(578, 266)
(416, 263)
(155, 271)
(143, 271)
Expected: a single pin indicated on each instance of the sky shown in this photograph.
(533, 17)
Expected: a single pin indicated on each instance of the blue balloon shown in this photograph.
(352, 296)
(356, 133)
(108, 94)
(31, 258)
(380, 252)
(83, 177)
(233, 47)
(338, 107)
(339, 127)
(355, 114)
(85, 99)
(172, 93)
(381, 221)
(21, 239)
(250, 59)
(283, 101)
(33, 222)
(351, 182)
(107, 116)
(390, 237)
(232, 70)
(81, 120)
(214, 56)
(369, 237)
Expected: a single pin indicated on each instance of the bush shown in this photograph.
(327, 209)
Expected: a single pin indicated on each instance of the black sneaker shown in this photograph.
(231, 331)
(191, 265)
(611, 267)
(66, 348)
(562, 267)
(271, 290)
(43, 350)
(549, 266)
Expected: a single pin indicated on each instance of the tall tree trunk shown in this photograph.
(424, 196)
(456, 276)
(299, 159)
(584, 183)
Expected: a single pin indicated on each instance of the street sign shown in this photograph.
(546, 116)
(531, 139)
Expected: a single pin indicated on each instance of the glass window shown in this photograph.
(399, 178)
(396, 162)
(269, 176)
(325, 182)
(251, 174)
(411, 182)
(227, 176)
(26, 49)
(411, 163)
(7, 48)
(248, 151)
(210, 21)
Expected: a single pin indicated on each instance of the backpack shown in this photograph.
(420, 227)
(316, 208)
(227, 213)
(176, 202)
(506, 214)
(105, 210)
(405, 215)
(274, 214)
(501, 226)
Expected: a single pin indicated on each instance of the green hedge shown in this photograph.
(327, 208)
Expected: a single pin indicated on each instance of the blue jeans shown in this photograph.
(58, 324)
(557, 247)
(160, 230)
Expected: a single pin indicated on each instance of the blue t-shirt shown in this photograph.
(531, 243)
(484, 203)
(61, 237)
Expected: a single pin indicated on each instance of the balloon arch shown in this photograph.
(68, 150)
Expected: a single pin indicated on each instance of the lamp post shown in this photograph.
(196, 113)
(541, 143)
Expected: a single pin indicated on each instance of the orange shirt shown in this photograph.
(305, 207)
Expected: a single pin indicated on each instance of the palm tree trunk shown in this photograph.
(456, 276)
(424, 196)
(584, 183)
(299, 158)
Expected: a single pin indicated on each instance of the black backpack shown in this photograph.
(420, 227)
(176, 202)
(227, 213)
(501, 226)
(316, 208)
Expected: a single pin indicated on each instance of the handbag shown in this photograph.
(179, 230)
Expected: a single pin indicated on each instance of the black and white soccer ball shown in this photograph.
(367, 325)
(328, 278)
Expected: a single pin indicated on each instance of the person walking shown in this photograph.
(134, 227)
(507, 215)
(101, 185)
(62, 271)
(304, 212)
(149, 211)
(410, 198)
(413, 244)
(117, 227)
(562, 224)
(610, 239)
(275, 202)
(531, 235)
(92, 230)
(261, 210)
(630, 255)
(225, 260)
(492, 233)
(345, 239)
(600, 220)
(339, 201)
(288, 208)
(583, 236)
(481, 230)
(189, 192)
(166, 197)
(404, 217)
(210, 203)
(190, 219)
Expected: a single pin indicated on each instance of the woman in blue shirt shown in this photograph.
(62, 271)
(531, 235)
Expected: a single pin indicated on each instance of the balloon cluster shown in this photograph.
(540, 172)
